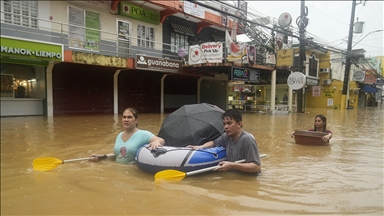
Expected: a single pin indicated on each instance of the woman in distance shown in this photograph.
(319, 126)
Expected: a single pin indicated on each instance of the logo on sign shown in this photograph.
(240, 73)
(158, 64)
(359, 76)
(296, 80)
(196, 54)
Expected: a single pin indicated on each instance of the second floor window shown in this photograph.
(313, 66)
(145, 36)
(28, 10)
(178, 41)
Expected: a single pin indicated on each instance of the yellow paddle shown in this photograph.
(175, 175)
(50, 163)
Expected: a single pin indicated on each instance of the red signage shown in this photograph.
(370, 79)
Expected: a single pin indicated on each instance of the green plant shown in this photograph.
(260, 102)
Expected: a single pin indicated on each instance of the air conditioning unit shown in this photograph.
(324, 70)
(327, 82)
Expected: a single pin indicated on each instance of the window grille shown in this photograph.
(13, 10)
(123, 47)
(179, 41)
(145, 36)
(313, 66)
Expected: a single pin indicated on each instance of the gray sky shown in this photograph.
(329, 21)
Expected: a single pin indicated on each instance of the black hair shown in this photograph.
(233, 114)
(324, 119)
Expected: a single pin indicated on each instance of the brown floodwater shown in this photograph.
(343, 178)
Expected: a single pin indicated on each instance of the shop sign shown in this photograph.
(312, 82)
(370, 79)
(31, 50)
(285, 57)
(296, 80)
(194, 9)
(139, 13)
(358, 76)
(328, 93)
(248, 75)
(270, 58)
(101, 5)
(211, 52)
(379, 82)
(144, 62)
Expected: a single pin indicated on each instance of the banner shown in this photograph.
(194, 9)
(370, 79)
(251, 54)
(211, 52)
(76, 35)
(270, 59)
(235, 51)
(92, 37)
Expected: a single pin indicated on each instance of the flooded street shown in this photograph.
(343, 178)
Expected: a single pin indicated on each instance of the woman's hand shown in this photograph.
(293, 134)
(327, 137)
(155, 142)
(153, 145)
(93, 158)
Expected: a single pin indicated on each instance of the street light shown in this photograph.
(367, 35)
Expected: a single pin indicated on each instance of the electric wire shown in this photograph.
(264, 29)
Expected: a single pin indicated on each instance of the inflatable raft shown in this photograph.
(178, 158)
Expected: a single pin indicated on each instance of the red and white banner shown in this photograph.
(370, 78)
(211, 52)
(235, 51)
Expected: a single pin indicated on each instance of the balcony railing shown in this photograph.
(109, 43)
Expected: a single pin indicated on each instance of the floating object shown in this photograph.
(310, 138)
(178, 158)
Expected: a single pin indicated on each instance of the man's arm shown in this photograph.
(245, 167)
(209, 144)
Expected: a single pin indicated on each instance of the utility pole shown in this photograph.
(344, 102)
(302, 24)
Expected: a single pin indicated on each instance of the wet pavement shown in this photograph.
(343, 178)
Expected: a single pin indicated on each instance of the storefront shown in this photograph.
(250, 89)
(23, 75)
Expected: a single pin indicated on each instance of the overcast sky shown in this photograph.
(329, 21)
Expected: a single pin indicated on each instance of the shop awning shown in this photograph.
(369, 89)
(182, 29)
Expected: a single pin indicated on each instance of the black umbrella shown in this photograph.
(192, 124)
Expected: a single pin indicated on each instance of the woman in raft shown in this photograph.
(320, 126)
(131, 139)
